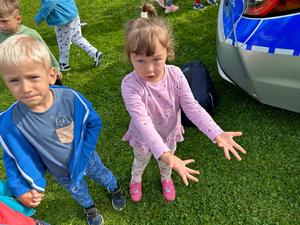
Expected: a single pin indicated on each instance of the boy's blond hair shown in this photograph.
(17, 48)
(8, 7)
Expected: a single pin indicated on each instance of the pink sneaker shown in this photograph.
(161, 3)
(171, 8)
(168, 190)
(135, 190)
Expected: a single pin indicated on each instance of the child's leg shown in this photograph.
(141, 160)
(99, 173)
(63, 37)
(168, 187)
(165, 170)
(80, 193)
(79, 40)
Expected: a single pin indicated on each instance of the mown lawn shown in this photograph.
(261, 189)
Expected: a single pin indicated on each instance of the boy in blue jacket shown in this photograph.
(50, 128)
(63, 14)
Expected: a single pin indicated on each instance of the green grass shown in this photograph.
(261, 189)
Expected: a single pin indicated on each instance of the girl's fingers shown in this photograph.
(192, 171)
(236, 134)
(240, 148)
(184, 178)
(188, 161)
(226, 152)
(235, 154)
(182, 173)
(195, 179)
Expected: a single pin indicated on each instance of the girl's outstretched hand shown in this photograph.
(225, 141)
(180, 167)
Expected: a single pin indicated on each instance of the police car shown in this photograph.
(258, 49)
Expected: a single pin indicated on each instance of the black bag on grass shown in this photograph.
(201, 86)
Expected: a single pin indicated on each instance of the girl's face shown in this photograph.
(150, 68)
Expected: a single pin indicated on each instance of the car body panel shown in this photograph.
(261, 55)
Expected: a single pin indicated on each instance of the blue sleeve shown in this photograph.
(93, 126)
(46, 8)
(17, 184)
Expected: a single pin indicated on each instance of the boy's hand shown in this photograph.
(37, 197)
(179, 166)
(31, 198)
(225, 141)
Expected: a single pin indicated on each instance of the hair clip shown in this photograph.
(144, 15)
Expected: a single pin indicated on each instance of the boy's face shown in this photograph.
(10, 24)
(150, 68)
(29, 83)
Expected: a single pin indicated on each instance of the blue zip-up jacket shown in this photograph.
(25, 169)
(56, 12)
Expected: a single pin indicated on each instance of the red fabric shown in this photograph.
(10, 217)
(197, 1)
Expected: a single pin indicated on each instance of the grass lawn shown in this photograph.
(261, 189)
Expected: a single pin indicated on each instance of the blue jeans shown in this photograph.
(97, 172)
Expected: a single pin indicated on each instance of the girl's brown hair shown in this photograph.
(142, 34)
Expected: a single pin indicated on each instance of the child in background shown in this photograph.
(63, 14)
(198, 5)
(10, 217)
(169, 7)
(50, 128)
(10, 24)
(153, 94)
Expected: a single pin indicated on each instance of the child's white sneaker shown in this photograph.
(64, 67)
(97, 59)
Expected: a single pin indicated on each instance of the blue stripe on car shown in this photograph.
(277, 34)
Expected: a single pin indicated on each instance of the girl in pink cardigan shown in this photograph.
(153, 94)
